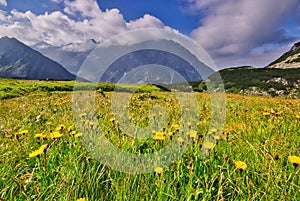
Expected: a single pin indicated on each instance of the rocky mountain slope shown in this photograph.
(290, 59)
(20, 61)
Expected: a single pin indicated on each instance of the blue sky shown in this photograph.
(233, 32)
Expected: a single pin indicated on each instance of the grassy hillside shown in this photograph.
(10, 88)
(259, 81)
(251, 161)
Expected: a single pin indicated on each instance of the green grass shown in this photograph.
(67, 171)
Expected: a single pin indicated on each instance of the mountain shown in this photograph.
(71, 56)
(161, 61)
(20, 61)
(290, 59)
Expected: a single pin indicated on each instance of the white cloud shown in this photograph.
(3, 2)
(59, 27)
(232, 28)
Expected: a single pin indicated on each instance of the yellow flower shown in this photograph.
(35, 153)
(78, 135)
(240, 165)
(180, 139)
(40, 136)
(70, 129)
(43, 147)
(217, 137)
(295, 160)
(81, 199)
(60, 127)
(23, 132)
(297, 116)
(73, 132)
(112, 119)
(176, 127)
(38, 151)
(159, 136)
(266, 114)
(159, 170)
(211, 131)
(208, 145)
(170, 134)
(55, 135)
(192, 134)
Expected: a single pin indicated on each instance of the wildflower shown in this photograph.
(159, 136)
(81, 199)
(217, 137)
(23, 132)
(70, 129)
(73, 132)
(39, 151)
(159, 170)
(78, 135)
(112, 119)
(192, 134)
(43, 147)
(170, 134)
(297, 116)
(180, 139)
(35, 153)
(211, 131)
(266, 114)
(295, 160)
(60, 127)
(55, 135)
(176, 127)
(40, 136)
(208, 145)
(240, 165)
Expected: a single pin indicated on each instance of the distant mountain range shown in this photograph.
(22, 62)
(43, 61)
(71, 56)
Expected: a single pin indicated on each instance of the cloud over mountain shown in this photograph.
(232, 28)
(79, 21)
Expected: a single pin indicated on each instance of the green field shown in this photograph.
(263, 133)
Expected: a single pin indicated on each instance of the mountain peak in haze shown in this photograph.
(17, 60)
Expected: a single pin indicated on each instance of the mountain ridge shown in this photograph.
(20, 61)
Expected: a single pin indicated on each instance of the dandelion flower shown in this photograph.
(180, 140)
(266, 114)
(170, 134)
(159, 136)
(176, 127)
(208, 145)
(43, 147)
(192, 134)
(159, 170)
(35, 153)
(78, 135)
(295, 160)
(60, 127)
(40, 136)
(211, 131)
(55, 135)
(70, 129)
(240, 165)
(74, 132)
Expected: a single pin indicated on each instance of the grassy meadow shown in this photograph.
(42, 156)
